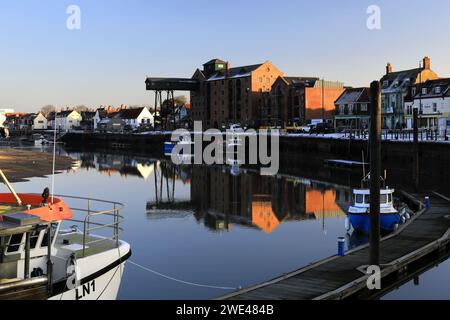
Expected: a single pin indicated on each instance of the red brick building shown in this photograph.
(301, 99)
(231, 95)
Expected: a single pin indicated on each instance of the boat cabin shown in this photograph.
(362, 197)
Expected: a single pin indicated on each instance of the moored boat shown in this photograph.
(41, 260)
(359, 211)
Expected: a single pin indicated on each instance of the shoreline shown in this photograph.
(22, 165)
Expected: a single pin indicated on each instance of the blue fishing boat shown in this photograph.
(359, 211)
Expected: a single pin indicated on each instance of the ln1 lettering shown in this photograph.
(85, 290)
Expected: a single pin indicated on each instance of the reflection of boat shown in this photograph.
(69, 264)
(185, 142)
(359, 212)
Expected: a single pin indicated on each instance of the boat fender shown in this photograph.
(347, 224)
(407, 216)
(396, 226)
(403, 219)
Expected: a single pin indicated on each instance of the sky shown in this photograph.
(119, 43)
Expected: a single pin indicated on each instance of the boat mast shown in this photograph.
(54, 158)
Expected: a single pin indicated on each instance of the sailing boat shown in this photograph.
(40, 260)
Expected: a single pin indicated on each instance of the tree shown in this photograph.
(81, 108)
(47, 109)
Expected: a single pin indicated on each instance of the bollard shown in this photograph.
(427, 203)
(341, 246)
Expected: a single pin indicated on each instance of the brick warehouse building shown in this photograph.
(301, 99)
(231, 94)
(252, 95)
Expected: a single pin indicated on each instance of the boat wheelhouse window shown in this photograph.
(34, 236)
(44, 241)
(383, 198)
(14, 243)
(390, 198)
(359, 198)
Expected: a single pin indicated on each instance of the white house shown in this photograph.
(137, 117)
(40, 122)
(3, 113)
(432, 99)
(66, 120)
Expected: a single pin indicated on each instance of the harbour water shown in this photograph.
(209, 226)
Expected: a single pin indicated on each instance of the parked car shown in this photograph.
(323, 128)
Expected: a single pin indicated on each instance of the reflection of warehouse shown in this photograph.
(222, 199)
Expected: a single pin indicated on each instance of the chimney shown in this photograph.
(389, 68)
(427, 63)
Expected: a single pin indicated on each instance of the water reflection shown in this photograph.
(208, 225)
(219, 198)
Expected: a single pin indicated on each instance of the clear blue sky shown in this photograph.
(121, 42)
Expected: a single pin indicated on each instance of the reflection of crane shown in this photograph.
(165, 177)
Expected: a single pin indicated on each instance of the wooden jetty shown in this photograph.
(405, 253)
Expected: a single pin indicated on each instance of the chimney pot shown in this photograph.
(427, 63)
(389, 68)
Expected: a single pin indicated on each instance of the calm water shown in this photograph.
(205, 225)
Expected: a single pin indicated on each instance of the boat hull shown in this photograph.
(361, 222)
(99, 276)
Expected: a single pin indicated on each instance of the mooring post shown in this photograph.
(375, 171)
(416, 149)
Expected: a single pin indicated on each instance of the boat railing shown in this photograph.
(90, 221)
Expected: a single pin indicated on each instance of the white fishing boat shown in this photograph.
(43, 258)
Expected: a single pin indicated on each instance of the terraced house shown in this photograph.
(432, 99)
(395, 87)
(353, 109)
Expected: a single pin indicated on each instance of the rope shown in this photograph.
(182, 281)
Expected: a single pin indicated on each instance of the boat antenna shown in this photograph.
(54, 157)
(363, 166)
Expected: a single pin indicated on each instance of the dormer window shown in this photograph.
(424, 90)
(438, 90)
(385, 83)
(413, 91)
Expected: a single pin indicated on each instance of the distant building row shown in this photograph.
(261, 95)
(103, 119)
(401, 93)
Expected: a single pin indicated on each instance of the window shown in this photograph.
(383, 198)
(14, 243)
(434, 107)
(438, 90)
(424, 91)
(364, 107)
(34, 236)
(413, 91)
(359, 198)
(350, 108)
(385, 83)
